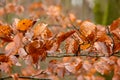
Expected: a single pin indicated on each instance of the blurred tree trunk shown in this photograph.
(87, 12)
(112, 12)
(105, 11)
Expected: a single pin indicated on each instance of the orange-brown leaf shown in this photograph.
(116, 33)
(102, 48)
(78, 66)
(103, 37)
(87, 28)
(36, 50)
(85, 46)
(4, 58)
(116, 44)
(12, 47)
(5, 30)
(72, 17)
(42, 30)
(39, 28)
(25, 24)
(115, 24)
(71, 45)
(64, 36)
(5, 33)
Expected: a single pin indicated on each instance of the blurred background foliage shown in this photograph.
(99, 11)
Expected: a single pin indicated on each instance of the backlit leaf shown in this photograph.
(71, 45)
(42, 30)
(84, 46)
(101, 48)
(5, 33)
(88, 30)
(39, 28)
(25, 24)
(115, 24)
(64, 36)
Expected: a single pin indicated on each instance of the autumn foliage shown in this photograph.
(86, 49)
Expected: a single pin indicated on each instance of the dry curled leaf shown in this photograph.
(4, 58)
(102, 48)
(85, 46)
(64, 36)
(15, 76)
(42, 30)
(39, 28)
(115, 31)
(78, 66)
(61, 38)
(88, 30)
(115, 24)
(5, 33)
(5, 67)
(5, 30)
(12, 47)
(25, 24)
(36, 50)
(103, 67)
(71, 45)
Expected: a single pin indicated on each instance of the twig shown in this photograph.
(111, 36)
(60, 55)
(78, 50)
(24, 77)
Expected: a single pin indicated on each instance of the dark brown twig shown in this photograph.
(24, 77)
(73, 55)
(111, 36)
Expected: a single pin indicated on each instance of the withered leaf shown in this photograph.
(25, 24)
(64, 36)
(78, 66)
(12, 47)
(115, 24)
(5, 33)
(39, 28)
(4, 58)
(55, 45)
(36, 50)
(88, 30)
(71, 45)
(101, 48)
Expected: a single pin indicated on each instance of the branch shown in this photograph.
(24, 77)
(111, 36)
(60, 55)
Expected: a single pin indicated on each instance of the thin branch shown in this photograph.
(111, 36)
(24, 77)
(78, 50)
(60, 55)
